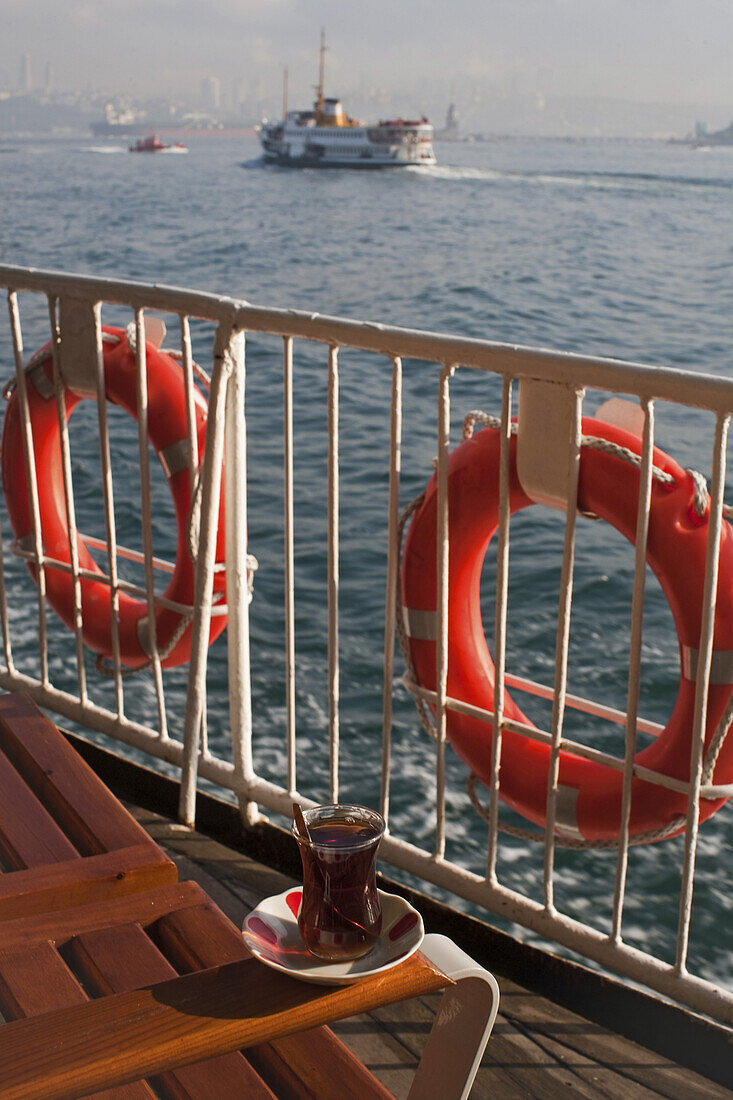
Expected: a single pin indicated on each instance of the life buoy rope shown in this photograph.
(589, 800)
(168, 434)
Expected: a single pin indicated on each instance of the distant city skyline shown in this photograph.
(545, 64)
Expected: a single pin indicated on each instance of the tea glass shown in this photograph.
(340, 914)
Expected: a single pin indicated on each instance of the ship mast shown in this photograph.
(285, 94)
(321, 73)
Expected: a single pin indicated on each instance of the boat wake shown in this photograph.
(627, 180)
(106, 149)
(603, 181)
(454, 172)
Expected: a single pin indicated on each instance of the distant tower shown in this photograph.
(25, 82)
(450, 131)
(211, 92)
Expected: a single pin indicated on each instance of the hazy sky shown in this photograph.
(662, 51)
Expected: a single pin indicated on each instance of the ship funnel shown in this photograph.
(333, 113)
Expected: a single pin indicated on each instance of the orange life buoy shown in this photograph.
(590, 793)
(168, 433)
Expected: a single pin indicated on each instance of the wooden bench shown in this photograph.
(108, 986)
(62, 959)
(97, 1003)
(64, 838)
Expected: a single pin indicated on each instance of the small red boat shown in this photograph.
(153, 145)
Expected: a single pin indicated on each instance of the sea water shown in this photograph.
(614, 249)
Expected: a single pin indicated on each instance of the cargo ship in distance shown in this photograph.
(326, 137)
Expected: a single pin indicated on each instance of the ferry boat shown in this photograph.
(326, 137)
(565, 1027)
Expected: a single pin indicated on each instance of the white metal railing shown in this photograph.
(229, 320)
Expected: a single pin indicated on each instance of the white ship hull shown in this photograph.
(298, 143)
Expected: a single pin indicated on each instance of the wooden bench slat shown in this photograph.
(60, 926)
(38, 890)
(29, 836)
(90, 815)
(64, 838)
(38, 981)
(125, 1036)
(192, 945)
(116, 960)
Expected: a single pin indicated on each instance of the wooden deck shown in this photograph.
(538, 1049)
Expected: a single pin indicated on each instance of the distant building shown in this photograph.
(25, 81)
(211, 92)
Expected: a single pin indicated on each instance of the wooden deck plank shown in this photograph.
(569, 1035)
(538, 1048)
(513, 1064)
(385, 1055)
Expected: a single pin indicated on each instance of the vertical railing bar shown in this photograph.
(190, 392)
(193, 444)
(147, 529)
(442, 592)
(109, 512)
(562, 645)
(393, 563)
(71, 530)
(500, 616)
(289, 550)
(30, 469)
(235, 523)
(333, 569)
(702, 684)
(7, 648)
(632, 698)
(204, 574)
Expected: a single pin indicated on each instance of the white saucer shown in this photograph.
(272, 935)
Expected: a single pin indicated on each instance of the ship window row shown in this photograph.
(351, 149)
(333, 131)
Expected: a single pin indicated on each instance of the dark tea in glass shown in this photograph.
(340, 915)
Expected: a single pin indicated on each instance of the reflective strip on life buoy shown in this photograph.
(590, 793)
(168, 434)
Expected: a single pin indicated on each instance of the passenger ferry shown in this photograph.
(326, 137)
(578, 1034)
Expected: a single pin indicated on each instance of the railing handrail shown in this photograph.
(510, 360)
